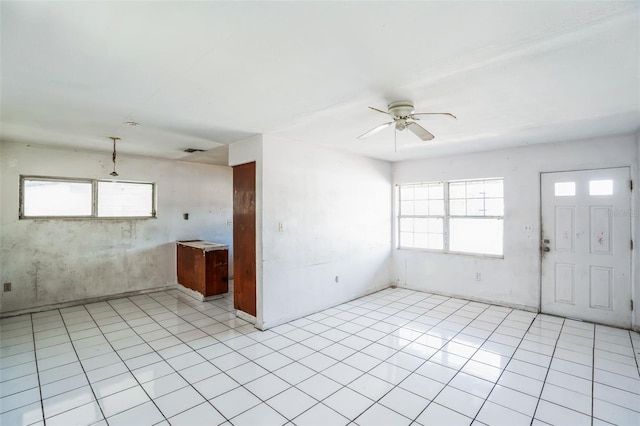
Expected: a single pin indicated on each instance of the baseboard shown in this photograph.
(245, 316)
(477, 299)
(68, 304)
(196, 294)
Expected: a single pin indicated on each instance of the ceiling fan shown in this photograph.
(404, 118)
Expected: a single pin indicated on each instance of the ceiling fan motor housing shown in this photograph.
(401, 109)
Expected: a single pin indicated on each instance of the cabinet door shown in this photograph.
(190, 265)
(217, 272)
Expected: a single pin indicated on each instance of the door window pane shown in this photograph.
(601, 187)
(565, 189)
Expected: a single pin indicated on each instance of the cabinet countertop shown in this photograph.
(204, 245)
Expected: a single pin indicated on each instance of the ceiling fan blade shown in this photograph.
(420, 131)
(375, 130)
(434, 113)
(379, 110)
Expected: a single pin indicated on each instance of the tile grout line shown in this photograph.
(544, 382)
(83, 370)
(633, 349)
(35, 356)
(123, 362)
(593, 371)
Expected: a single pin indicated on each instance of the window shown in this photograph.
(56, 198)
(125, 199)
(85, 198)
(462, 217)
(421, 216)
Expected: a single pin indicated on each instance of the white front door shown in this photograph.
(586, 245)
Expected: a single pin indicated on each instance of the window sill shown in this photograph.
(457, 253)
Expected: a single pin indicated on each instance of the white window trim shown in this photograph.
(445, 218)
(94, 198)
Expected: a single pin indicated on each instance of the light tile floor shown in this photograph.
(396, 357)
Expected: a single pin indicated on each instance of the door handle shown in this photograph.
(546, 249)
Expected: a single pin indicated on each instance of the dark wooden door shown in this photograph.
(244, 238)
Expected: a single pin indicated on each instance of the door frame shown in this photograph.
(632, 222)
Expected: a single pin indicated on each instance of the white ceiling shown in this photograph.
(207, 74)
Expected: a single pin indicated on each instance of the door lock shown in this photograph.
(544, 247)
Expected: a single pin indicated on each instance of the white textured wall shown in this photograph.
(514, 280)
(59, 260)
(335, 209)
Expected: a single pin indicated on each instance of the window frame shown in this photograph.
(425, 216)
(94, 197)
(446, 218)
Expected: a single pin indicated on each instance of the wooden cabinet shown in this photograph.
(203, 267)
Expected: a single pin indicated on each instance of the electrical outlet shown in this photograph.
(478, 276)
(7, 286)
(280, 227)
(337, 278)
(527, 228)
